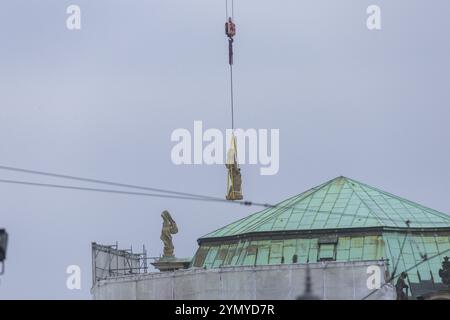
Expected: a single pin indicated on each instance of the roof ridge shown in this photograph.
(347, 180)
(254, 214)
(300, 197)
(305, 194)
(429, 210)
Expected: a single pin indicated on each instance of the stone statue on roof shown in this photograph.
(169, 228)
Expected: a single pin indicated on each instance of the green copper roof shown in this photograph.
(339, 203)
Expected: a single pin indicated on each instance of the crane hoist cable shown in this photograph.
(230, 31)
(234, 180)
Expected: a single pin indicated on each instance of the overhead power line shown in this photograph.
(105, 182)
(59, 186)
(408, 223)
(162, 193)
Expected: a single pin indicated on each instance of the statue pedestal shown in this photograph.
(166, 264)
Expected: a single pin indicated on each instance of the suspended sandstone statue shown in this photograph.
(234, 182)
(169, 228)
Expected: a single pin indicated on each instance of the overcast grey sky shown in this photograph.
(102, 102)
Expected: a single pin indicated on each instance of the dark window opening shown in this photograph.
(327, 252)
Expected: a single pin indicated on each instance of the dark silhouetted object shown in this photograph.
(308, 294)
(3, 245)
(400, 286)
(230, 31)
(444, 273)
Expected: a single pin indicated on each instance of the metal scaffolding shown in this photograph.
(108, 261)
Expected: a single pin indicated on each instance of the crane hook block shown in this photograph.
(230, 28)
